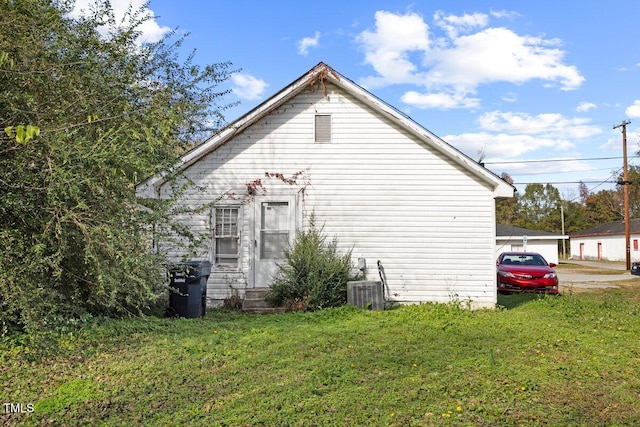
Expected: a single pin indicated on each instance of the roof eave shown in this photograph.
(533, 237)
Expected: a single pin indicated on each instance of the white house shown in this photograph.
(385, 187)
(606, 242)
(509, 238)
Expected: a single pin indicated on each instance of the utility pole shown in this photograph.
(625, 183)
(564, 247)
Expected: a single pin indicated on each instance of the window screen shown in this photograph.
(323, 128)
(226, 236)
(274, 230)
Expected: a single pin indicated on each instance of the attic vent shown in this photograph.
(365, 294)
(323, 128)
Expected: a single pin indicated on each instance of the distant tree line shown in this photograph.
(540, 206)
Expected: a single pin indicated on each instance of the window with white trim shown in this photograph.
(226, 237)
(323, 128)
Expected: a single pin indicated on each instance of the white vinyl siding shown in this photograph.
(376, 188)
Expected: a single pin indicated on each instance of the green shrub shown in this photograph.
(314, 276)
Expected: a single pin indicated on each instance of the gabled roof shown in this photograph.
(509, 232)
(317, 77)
(610, 229)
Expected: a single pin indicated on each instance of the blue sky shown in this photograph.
(513, 81)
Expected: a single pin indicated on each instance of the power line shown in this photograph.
(558, 172)
(566, 182)
(556, 160)
(599, 182)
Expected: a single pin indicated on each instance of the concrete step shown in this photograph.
(254, 302)
(255, 293)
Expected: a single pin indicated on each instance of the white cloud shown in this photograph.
(387, 48)
(524, 171)
(613, 143)
(633, 110)
(403, 50)
(504, 145)
(150, 29)
(551, 125)
(248, 87)
(585, 106)
(499, 54)
(504, 14)
(441, 100)
(454, 25)
(508, 135)
(308, 42)
(510, 97)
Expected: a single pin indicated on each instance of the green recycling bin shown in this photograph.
(188, 288)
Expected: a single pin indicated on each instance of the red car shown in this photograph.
(526, 272)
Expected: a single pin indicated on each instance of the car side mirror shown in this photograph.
(553, 264)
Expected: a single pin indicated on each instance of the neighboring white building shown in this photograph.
(509, 238)
(606, 242)
(385, 187)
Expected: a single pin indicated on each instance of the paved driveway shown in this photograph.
(578, 279)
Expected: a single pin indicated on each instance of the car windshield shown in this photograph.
(523, 259)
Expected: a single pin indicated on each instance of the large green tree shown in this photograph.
(83, 115)
(634, 190)
(507, 210)
(608, 205)
(604, 206)
(540, 208)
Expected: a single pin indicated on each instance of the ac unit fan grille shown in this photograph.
(365, 294)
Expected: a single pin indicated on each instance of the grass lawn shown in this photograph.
(567, 360)
(568, 267)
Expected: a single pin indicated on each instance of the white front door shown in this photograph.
(274, 232)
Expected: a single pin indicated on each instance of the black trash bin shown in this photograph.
(188, 288)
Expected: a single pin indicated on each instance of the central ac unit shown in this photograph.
(366, 294)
